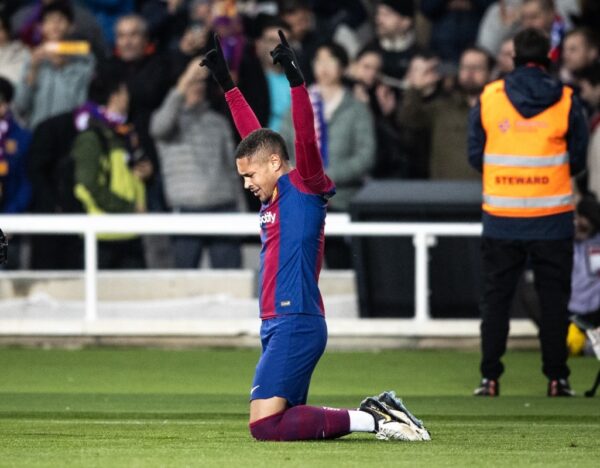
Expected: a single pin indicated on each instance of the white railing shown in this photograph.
(423, 235)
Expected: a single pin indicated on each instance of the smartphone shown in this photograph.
(68, 47)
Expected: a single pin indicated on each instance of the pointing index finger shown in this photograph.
(283, 38)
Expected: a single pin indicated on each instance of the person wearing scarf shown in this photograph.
(109, 170)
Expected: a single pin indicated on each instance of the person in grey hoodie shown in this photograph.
(53, 83)
(195, 148)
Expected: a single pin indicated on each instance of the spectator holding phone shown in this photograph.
(56, 77)
(25, 24)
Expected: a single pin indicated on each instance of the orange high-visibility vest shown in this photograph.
(525, 162)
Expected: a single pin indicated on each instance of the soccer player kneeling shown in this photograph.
(292, 219)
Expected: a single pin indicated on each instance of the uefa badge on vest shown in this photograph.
(504, 125)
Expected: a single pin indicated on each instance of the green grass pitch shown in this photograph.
(112, 407)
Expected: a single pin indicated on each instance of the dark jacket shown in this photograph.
(148, 81)
(531, 90)
(49, 163)
(104, 179)
(453, 30)
(15, 188)
(254, 86)
(395, 63)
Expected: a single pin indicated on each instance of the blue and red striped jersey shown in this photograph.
(292, 223)
(292, 234)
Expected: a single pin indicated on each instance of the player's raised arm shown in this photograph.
(243, 115)
(308, 156)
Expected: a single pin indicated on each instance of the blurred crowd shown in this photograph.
(104, 108)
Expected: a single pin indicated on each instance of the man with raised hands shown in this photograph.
(292, 220)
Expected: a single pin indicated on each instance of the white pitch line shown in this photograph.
(115, 422)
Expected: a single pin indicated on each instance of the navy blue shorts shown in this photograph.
(291, 347)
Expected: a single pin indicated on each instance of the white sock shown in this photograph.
(361, 421)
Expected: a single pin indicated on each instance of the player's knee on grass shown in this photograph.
(266, 428)
(302, 423)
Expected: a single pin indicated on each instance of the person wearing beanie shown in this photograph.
(396, 39)
(528, 136)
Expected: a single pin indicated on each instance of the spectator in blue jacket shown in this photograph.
(15, 190)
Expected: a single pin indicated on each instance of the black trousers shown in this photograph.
(56, 252)
(503, 264)
(121, 254)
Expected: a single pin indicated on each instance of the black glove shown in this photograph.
(284, 55)
(214, 60)
(3, 248)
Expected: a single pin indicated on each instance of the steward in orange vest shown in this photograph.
(528, 136)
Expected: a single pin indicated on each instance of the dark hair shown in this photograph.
(426, 54)
(590, 73)
(105, 82)
(589, 36)
(262, 138)
(368, 49)
(588, 207)
(531, 46)
(547, 5)
(338, 52)
(287, 7)
(63, 7)
(5, 23)
(7, 90)
(491, 61)
(268, 22)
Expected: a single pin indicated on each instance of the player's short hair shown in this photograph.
(531, 46)
(260, 139)
(590, 74)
